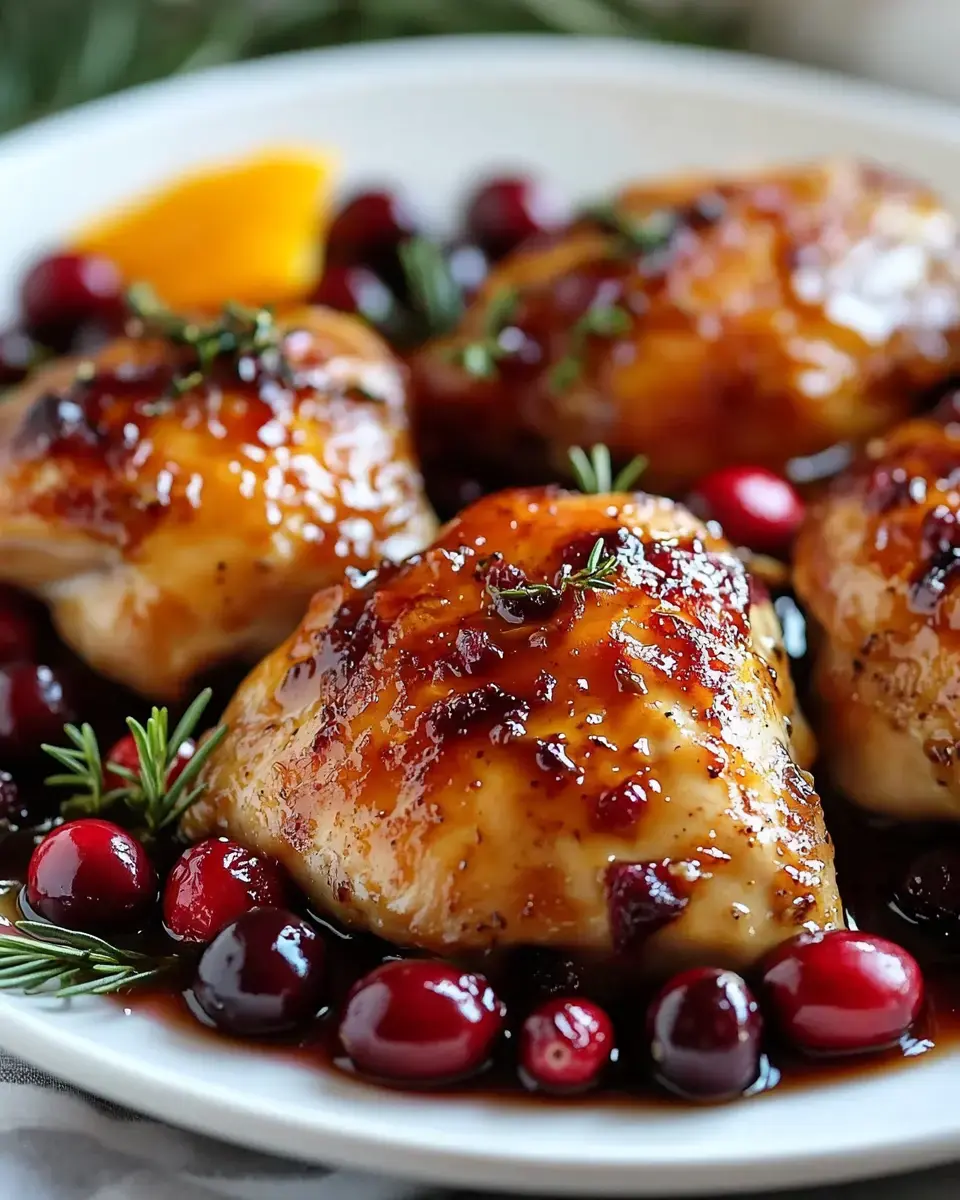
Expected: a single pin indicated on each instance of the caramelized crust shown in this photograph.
(458, 768)
(878, 565)
(167, 533)
(783, 313)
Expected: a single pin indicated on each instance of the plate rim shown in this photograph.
(28, 1030)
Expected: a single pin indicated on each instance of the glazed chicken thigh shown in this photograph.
(878, 564)
(565, 724)
(703, 322)
(173, 517)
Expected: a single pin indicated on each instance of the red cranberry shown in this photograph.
(124, 754)
(213, 883)
(419, 1021)
(469, 267)
(844, 991)
(356, 289)
(756, 507)
(369, 228)
(18, 352)
(642, 898)
(505, 212)
(263, 974)
(18, 631)
(565, 1045)
(34, 706)
(503, 578)
(65, 290)
(91, 875)
(705, 1031)
(929, 892)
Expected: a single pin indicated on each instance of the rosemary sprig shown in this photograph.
(644, 235)
(148, 791)
(595, 576)
(606, 321)
(593, 471)
(76, 964)
(432, 287)
(479, 358)
(238, 333)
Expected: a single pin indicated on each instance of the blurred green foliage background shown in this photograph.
(54, 53)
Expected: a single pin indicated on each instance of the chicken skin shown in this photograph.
(878, 565)
(173, 517)
(565, 725)
(703, 323)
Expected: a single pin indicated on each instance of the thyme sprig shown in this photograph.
(432, 287)
(480, 357)
(605, 321)
(149, 792)
(593, 470)
(76, 964)
(238, 333)
(647, 234)
(595, 576)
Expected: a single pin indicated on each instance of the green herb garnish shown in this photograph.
(148, 791)
(77, 964)
(593, 471)
(594, 577)
(479, 358)
(605, 321)
(239, 332)
(434, 290)
(638, 235)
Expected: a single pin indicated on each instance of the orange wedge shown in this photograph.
(247, 231)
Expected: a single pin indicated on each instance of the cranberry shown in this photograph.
(705, 1030)
(505, 212)
(643, 897)
(92, 875)
(844, 991)
(265, 973)
(18, 631)
(565, 1045)
(18, 352)
(63, 291)
(420, 1021)
(756, 507)
(369, 228)
(34, 706)
(469, 267)
(929, 892)
(529, 605)
(213, 883)
(124, 753)
(356, 289)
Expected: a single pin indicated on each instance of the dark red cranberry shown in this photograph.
(705, 1031)
(929, 892)
(92, 875)
(18, 353)
(418, 1021)
(263, 974)
(565, 1045)
(507, 211)
(643, 897)
(124, 754)
(34, 706)
(369, 228)
(213, 883)
(469, 267)
(844, 991)
(356, 289)
(512, 597)
(18, 628)
(63, 291)
(756, 507)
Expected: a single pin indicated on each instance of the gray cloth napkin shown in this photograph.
(59, 1144)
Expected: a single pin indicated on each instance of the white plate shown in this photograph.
(589, 114)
